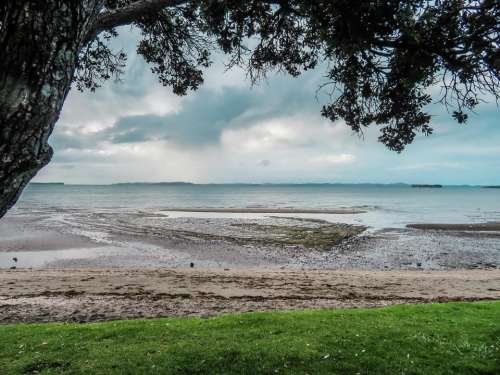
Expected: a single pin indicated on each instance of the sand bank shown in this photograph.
(270, 210)
(479, 227)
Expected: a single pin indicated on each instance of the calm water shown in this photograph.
(386, 206)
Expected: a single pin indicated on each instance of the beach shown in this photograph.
(110, 257)
(144, 265)
(82, 295)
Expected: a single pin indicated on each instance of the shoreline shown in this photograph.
(82, 295)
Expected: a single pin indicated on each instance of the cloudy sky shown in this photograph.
(228, 131)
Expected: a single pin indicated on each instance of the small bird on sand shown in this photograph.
(191, 265)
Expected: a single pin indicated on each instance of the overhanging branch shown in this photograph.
(127, 15)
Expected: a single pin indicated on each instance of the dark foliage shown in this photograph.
(383, 59)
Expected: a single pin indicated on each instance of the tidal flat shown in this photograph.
(151, 238)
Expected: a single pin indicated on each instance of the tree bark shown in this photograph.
(39, 46)
(132, 12)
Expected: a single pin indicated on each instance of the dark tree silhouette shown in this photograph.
(383, 59)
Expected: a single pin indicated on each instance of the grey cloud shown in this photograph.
(62, 141)
(205, 115)
(200, 122)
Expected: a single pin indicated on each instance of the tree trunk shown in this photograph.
(39, 45)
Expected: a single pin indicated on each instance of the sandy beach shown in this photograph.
(105, 294)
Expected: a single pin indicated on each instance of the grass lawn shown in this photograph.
(453, 338)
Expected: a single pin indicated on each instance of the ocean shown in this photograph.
(392, 206)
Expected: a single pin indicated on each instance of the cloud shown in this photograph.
(334, 159)
(269, 135)
(428, 166)
(115, 116)
(201, 120)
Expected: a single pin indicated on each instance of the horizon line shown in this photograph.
(260, 183)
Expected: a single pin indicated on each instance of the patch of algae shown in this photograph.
(323, 237)
(320, 235)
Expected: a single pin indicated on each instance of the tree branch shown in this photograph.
(127, 15)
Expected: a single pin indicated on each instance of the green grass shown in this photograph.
(454, 338)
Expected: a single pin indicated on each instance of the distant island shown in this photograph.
(46, 183)
(153, 183)
(426, 186)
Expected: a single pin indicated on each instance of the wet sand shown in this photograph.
(105, 294)
(22, 234)
(109, 238)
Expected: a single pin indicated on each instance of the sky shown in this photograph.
(228, 132)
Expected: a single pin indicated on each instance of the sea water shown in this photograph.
(384, 205)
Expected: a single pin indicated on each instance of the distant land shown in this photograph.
(153, 183)
(46, 183)
(184, 183)
(426, 186)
